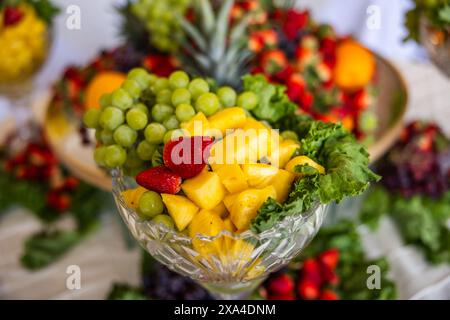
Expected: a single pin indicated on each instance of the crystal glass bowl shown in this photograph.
(228, 265)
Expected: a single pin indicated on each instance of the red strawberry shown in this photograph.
(295, 22)
(71, 183)
(295, 86)
(306, 100)
(330, 258)
(311, 272)
(187, 156)
(308, 290)
(281, 285)
(12, 16)
(274, 61)
(328, 294)
(160, 179)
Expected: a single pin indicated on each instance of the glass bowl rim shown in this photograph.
(117, 176)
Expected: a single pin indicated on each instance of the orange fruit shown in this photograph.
(102, 83)
(355, 66)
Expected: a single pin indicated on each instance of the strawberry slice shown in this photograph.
(160, 179)
(187, 156)
(12, 16)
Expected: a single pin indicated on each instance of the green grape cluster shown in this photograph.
(135, 121)
(161, 20)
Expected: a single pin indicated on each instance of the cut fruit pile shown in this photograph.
(203, 164)
(23, 42)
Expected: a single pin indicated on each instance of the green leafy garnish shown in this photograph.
(126, 292)
(346, 163)
(274, 104)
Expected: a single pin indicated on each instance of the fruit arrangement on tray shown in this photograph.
(24, 37)
(415, 190)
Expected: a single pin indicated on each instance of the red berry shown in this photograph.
(329, 276)
(12, 16)
(71, 183)
(308, 290)
(311, 272)
(281, 285)
(295, 86)
(330, 258)
(187, 156)
(289, 296)
(328, 294)
(160, 179)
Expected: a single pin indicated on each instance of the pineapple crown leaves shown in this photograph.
(214, 48)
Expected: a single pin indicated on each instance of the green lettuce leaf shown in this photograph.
(346, 163)
(274, 104)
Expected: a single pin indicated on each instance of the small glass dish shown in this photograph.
(228, 265)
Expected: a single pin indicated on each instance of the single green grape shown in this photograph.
(99, 156)
(178, 79)
(107, 137)
(160, 112)
(132, 88)
(121, 99)
(171, 123)
(115, 156)
(289, 135)
(111, 118)
(184, 112)
(154, 133)
(160, 84)
(157, 159)
(181, 95)
(164, 97)
(125, 136)
(137, 119)
(141, 76)
(208, 103)
(248, 100)
(145, 150)
(105, 100)
(143, 108)
(197, 87)
(173, 134)
(150, 205)
(91, 118)
(165, 220)
(227, 96)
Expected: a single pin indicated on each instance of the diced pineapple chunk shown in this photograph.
(233, 178)
(303, 160)
(221, 210)
(231, 118)
(197, 126)
(259, 175)
(181, 209)
(280, 156)
(282, 183)
(230, 200)
(206, 223)
(247, 205)
(132, 197)
(228, 225)
(205, 190)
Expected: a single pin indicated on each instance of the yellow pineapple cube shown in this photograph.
(205, 190)
(197, 126)
(247, 205)
(132, 197)
(208, 224)
(233, 178)
(231, 118)
(259, 175)
(230, 200)
(282, 183)
(181, 209)
(280, 156)
(303, 160)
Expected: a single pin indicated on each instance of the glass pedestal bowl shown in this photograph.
(228, 265)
